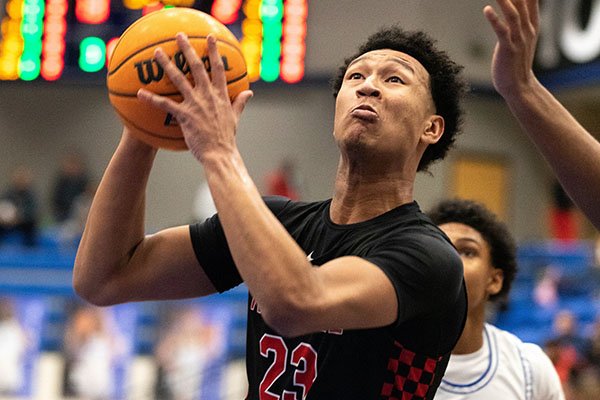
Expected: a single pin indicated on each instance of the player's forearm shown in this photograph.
(273, 266)
(571, 151)
(115, 223)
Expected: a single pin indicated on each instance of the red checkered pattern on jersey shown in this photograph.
(410, 375)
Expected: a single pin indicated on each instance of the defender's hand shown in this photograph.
(517, 35)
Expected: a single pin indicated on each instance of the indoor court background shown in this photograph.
(39, 121)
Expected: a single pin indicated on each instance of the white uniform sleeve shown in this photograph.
(545, 381)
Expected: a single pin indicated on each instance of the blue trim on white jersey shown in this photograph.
(527, 374)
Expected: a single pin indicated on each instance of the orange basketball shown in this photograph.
(132, 66)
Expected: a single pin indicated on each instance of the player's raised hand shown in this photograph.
(517, 31)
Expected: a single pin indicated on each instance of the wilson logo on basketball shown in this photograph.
(149, 71)
(132, 66)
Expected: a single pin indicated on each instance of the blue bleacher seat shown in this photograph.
(534, 323)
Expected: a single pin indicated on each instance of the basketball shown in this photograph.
(132, 66)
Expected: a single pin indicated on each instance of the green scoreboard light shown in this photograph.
(92, 54)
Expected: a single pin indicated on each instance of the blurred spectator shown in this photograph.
(185, 352)
(282, 181)
(13, 346)
(594, 348)
(597, 251)
(568, 349)
(586, 386)
(545, 292)
(564, 360)
(594, 269)
(585, 283)
(591, 378)
(19, 207)
(72, 180)
(566, 332)
(564, 225)
(72, 228)
(92, 344)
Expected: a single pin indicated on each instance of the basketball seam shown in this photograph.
(167, 40)
(147, 131)
(121, 94)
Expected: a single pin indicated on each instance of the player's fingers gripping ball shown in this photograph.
(132, 67)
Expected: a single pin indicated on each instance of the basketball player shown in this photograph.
(487, 362)
(571, 151)
(356, 297)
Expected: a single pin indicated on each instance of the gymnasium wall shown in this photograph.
(38, 124)
(39, 121)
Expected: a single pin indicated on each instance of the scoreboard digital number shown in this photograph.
(568, 52)
(72, 40)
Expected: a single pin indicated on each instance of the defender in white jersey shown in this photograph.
(487, 362)
(503, 368)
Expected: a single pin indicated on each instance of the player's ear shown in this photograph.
(495, 281)
(433, 129)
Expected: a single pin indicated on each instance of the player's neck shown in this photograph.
(364, 190)
(471, 338)
(363, 199)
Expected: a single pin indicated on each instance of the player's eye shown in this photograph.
(469, 253)
(354, 75)
(395, 79)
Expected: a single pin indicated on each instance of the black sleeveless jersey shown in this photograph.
(405, 360)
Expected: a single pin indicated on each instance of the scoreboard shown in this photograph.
(568, 52)
(72, 40)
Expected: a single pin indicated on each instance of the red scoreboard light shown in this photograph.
(293, 45)
(110, 47)
(53, 44)
(92, 11)
(226, 11)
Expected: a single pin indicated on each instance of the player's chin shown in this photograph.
(358, 141)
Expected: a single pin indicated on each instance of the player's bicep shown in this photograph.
(355, 294)
(163, 266)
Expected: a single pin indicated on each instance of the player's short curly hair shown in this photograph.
(447, 84)
(494, 232)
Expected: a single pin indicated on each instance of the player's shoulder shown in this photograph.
(504, 334)
(424, 231)
(409, 222)
(281, 204)
(538, 367)
(530, 351)
(428, 240)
